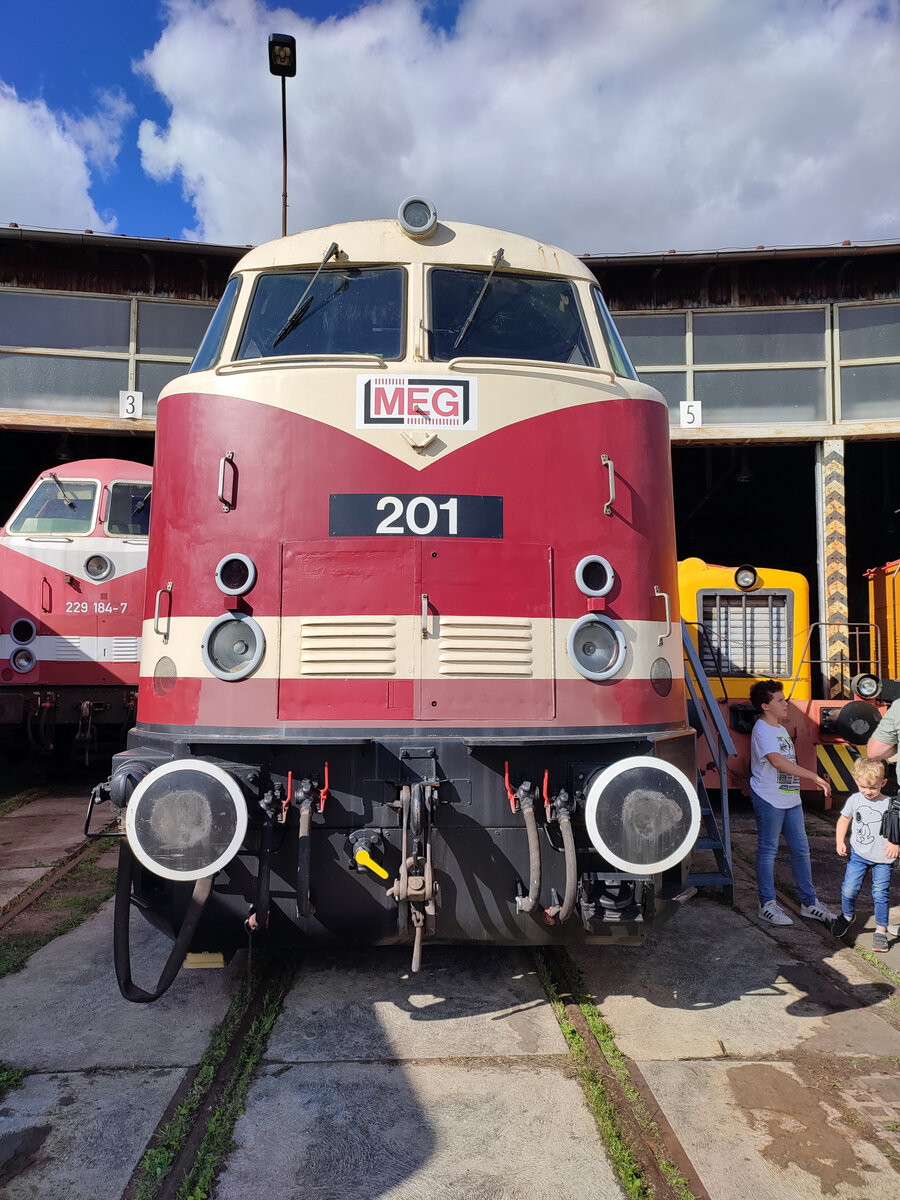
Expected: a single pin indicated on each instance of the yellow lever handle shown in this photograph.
(365, 859)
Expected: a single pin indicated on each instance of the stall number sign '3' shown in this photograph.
(131, 405)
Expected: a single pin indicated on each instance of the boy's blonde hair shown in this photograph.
(868, 771)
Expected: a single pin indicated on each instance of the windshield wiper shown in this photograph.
(475, 307)
(140, 504)
(303, 304)
(62, 491)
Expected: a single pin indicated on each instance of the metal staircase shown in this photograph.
(706, 717)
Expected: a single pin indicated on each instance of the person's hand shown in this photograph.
(842, 849)
(891, 850)
(825, 785)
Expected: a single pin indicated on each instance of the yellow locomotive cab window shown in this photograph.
(347, 310)
(515, 316)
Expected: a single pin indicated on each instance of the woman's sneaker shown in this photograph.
(818, 912)
(879, 942)
(772, 913)
(842, 924)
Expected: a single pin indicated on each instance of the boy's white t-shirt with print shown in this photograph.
(865, 826)
(773, 786)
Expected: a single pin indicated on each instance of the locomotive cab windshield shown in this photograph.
(55, 506)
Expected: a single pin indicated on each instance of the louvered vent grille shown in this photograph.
(348, 648)
(125, 649)
(501, 648)
(66, 649)
(746, 634)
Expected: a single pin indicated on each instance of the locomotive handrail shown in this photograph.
(703, 634)
(706, 692)
(296, 360)
(657, 591)
(490, 361)
(608, 506)
(47, 537)
(156, 628)
(822, 661)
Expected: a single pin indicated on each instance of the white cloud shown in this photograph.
(47, 159)
(600, 125)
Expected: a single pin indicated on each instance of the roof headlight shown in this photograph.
(417, 216)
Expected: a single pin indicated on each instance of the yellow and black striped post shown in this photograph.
(836, 763)
(836, 641)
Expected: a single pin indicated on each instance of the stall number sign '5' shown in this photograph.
(690, 414)
(131, 405)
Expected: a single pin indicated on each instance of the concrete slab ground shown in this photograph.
(36, 836)
(468, 1002)
(454, 1083)
(75, 1136)
(772, 1051)
(417, 1131)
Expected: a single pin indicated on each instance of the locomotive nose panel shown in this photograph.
(186, 819)
(642, 814)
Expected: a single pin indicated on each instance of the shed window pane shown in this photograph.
(165, 328)
(64, 322)
(673, 385)
(871, 332)
(654, 341)
(152, 378)
(870, 392)
(57, 384)
(760, 337)
(760, 397)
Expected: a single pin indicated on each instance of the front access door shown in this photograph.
(432, 630)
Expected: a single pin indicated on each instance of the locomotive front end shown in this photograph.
(412, 660)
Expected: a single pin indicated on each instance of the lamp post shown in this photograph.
(283, 62)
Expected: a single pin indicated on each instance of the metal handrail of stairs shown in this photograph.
(717, 828)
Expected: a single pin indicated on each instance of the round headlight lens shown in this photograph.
(746, 577)
(642, 814)
(868, 687)
(98, 566)
(22, 660)
(235, 574)
(233, 646)
(417, 216)
(596, 646)
(186, 819)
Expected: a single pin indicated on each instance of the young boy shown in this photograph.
(861, 818)
(775, 792)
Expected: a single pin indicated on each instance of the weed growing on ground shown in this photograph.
(10, 1079)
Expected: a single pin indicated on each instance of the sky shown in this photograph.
(602, 126)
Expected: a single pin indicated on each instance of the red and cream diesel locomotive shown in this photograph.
(72, 562)
(412, 662)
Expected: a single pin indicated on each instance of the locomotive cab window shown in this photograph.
(128, 514)
(347, 310)
(515, 316)
(62, 506)
(618, 355)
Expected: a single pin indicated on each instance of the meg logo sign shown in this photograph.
(404, 401)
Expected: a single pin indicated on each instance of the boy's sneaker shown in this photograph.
(842, 924)
(772, 913)
(818, 912)
(879, 942)
(893, 930)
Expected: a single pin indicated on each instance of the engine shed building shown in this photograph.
(781, 368)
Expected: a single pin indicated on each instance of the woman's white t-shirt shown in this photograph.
(773, 786)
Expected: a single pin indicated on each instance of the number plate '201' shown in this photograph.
(415, 516)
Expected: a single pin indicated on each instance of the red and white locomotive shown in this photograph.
(72, 563)
(412, 661)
